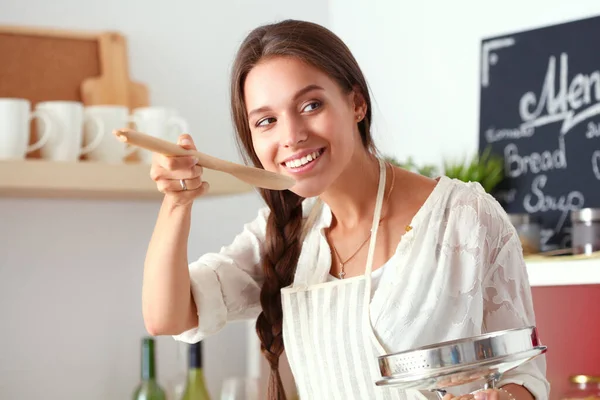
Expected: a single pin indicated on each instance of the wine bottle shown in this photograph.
(195, 387)
(148, 388)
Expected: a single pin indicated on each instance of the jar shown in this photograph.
(586, 230)
(528, 229)
(583, 387)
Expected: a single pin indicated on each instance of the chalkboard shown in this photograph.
(540, 111)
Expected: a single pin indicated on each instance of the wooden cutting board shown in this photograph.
(114, 85)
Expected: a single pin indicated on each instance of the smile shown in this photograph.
(302, 161)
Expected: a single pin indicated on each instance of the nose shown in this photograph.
(294, 132)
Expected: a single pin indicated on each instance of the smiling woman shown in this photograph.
(358, 259)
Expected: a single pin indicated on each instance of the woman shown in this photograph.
(446, 262)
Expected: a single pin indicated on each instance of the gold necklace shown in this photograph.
(342, 273)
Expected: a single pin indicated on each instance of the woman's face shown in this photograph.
(303, 125)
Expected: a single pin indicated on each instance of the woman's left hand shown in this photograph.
(490, 394)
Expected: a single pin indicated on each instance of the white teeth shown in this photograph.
(303, 161)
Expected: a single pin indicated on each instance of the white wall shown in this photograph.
(70, 271)
(422, 63)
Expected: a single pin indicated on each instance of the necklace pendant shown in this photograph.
(341, 274)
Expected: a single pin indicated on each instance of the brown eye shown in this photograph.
(265, 121)
(312, 106)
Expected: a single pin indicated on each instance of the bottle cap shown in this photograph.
(195, 355)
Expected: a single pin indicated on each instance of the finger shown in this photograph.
(448, 396)
(197, 191)
(203, 189)
(160, 173)
(493, 394)
(186, 141)
(188, 196)
(178, 162)
(175, 186)
(489, 394)
(173, 163)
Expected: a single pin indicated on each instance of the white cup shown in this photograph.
(161, 122)
(65, 144)
(109, 149)
(15, 132)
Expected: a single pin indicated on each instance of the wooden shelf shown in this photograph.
(94, 180)
(563, 271)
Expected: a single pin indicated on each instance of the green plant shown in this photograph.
(430, 171)
(487, 169)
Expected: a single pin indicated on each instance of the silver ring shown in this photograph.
(182, 183)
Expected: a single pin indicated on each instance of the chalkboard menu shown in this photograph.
(540, 111)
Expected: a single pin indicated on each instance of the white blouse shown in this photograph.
(459, 272)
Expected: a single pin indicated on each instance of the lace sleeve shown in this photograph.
(226, 285)
(508, 304)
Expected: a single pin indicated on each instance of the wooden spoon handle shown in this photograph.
(167, 148)
(254, 176)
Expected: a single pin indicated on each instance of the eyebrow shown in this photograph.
(298, 94)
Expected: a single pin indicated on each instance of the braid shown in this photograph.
(282, 249)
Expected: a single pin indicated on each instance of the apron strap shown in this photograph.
(369, 268)
(315, 211)
(376, 218)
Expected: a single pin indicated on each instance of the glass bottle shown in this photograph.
(148, 388)
(195, 387)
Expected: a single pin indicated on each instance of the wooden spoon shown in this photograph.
(253, 176)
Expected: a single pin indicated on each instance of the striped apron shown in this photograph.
(329, 341)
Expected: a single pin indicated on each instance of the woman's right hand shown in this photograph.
(179, 177)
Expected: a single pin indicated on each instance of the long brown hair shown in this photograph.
(321, 48)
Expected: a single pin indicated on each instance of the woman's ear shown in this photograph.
(359, 103)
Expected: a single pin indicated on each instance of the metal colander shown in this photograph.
(443, 365)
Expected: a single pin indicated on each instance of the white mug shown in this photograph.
(15, 132)
(109, 149)
(164, 123)
(66, 142)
